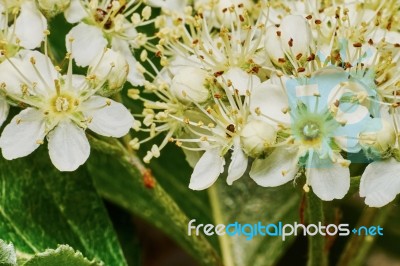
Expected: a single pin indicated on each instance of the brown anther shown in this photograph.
(230, 128)
(311, 57)
(336, 103)
(278, 33)
(158, 54)
(299, 56)
(218, 73)
(357, 44)
(282, 60)
(347, 65)
(301, 69)
(309, 17)
(318, 22)
(290, 42)
(241, 18)
(370, 42)
(397, 45)
(255, 69)
(217, 96)
(240, 5)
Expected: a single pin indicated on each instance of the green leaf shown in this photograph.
(127, 189)
(7, 254)
(64, 255)
(41, 207)
(247, 203)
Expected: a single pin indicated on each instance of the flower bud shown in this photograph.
(256, 137)
(378, 137)
(51, 8)
(189, 85)
(112, 67)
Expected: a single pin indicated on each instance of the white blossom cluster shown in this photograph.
(287, 90)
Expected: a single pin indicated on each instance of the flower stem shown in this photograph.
(317, 253)
(358, 246)
(224, 240)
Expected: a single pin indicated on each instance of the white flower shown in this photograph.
(59, 107)
(104, 25)
(28, 29)
(316, 133)
(380, 183)
(211, 165)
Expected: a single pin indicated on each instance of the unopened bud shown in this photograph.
(51, 8)
(378, 137)
(111, 68)
(189, 85)
(256, 137)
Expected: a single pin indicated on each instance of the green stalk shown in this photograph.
(224, 240)
(198, 247)
(358, 246)
(317, 253)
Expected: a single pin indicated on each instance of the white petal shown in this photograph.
(277, 169)
(134, 76)
(68, 146)
(88, 42)
(75, 12)
(295, 27)
(108, 118)
(273, 44)
(30, 25)
(238, 164)
(207, 170)
(380, 182)
(241, 80)
(26, 73)
(328, 180)
(22, 135)
(271, 100)
(3, 21)
(4, 108)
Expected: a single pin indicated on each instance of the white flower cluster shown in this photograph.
(56, 105)
(291, 90)
(287, 90)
